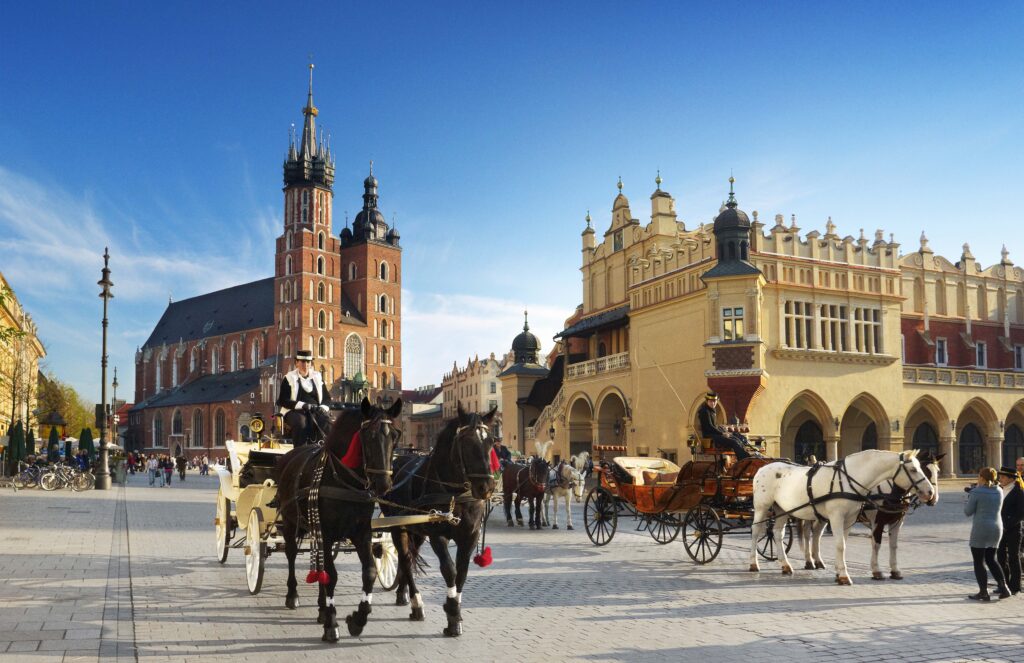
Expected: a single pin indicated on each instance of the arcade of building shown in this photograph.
(818, 343)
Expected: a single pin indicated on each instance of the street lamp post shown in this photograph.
(113, 409)
(103, 475)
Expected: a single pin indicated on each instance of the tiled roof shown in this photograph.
(246, 306)
(419, 395)
(207, 389)
(588, 326)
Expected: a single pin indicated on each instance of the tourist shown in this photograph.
(1013, 514)
(168, 467)
(153, 467)
(181, 462)
(983, 504)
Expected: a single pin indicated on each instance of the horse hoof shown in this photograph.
(554, 527)
(787, 570)
(896, 575)
(416, 615)
(321, 616)
(292, 602)
(808, 566)
(568, 527)
(520, 523)
(754, 568)
(819, 565)
(331, 635)
(877, 575)
(401, 601)
(844, 580)
(354, 627)
(453, 630)
(512, 524)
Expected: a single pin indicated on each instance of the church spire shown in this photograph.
(308, 145)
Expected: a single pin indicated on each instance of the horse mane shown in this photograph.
(345, 426)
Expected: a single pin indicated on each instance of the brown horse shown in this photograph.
(345, 485)
(527, 482)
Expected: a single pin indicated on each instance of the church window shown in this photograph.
(288, 347)
(174, 371)
(353, 355)
(254, 354)
(320, 292)
(176, 423)
(158, 430)
(321, 320)
(304, 212)
(197, 428)
(305, 197)
(320, 240)
(353, 271)
(193, 359)
(218, 428)
(383, 271)
(159, 376)
(322, 347)
(288, 319)
(383, 380)
(383, 303)
(288, 266)
(234, 356)
(320, 265)
(214, 360)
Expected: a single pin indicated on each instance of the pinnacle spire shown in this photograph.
(732, 196)
(308, 146)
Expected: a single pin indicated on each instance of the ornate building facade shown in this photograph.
(816, 342)
(475, 385)
(19, 363)
(215, 360)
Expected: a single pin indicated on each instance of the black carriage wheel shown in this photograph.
(664, 527)
(766, 544)
(600, 516)
(702, 533)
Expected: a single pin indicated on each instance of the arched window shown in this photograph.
(320, 240)
(214, 360)
(218, 428)
(176, 423)
(193, 359)
(288, 347)
(383, 380)
(1013, 445)
(234, 356)
(926, 439)
(288, 240)
(972, 450)
(383, 303)
(254, 354)
(197, 428)
(869, 440)
(383, 271)
(374, 374)
(295, 289)
(288, 319)
(320, 291)
(320, 265)
(158, 378)
(353, 355)
(353, 271)
(158, 430)
(322, 347)
(174, 369)
(287, 265)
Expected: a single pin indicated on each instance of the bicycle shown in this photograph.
(27, 476)
(65, 476)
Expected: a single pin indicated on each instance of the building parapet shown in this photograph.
(958, 377)
(610, 363)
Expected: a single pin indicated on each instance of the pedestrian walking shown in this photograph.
(205, 467)
(168, 468)
(984, 503)
(153, 466)
(182, 463)
(1013, 515)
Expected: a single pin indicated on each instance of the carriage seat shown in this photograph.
(638, 466)
(656, 478)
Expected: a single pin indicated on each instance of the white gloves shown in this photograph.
(325, 409)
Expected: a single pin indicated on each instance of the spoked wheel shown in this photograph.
(255, 551)
(766, 544)
(600, 516)
(49, 481)
(222, 527)
(664, 527)
(82, 482)
(702, 533)
(385, 558)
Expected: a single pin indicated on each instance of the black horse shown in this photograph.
(458, 468)
(527, 482)
(345, 502)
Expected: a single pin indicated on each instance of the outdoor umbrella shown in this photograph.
(30, 444)
(85, 442)
(53, 446)
(67, 451)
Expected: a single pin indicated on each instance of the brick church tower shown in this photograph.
(340, 299)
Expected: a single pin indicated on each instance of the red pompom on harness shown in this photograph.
(484, 559)
(353, 458)
(317, 576)
(495, 463)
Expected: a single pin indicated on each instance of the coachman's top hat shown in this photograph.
(1008, 472)
(304, 355)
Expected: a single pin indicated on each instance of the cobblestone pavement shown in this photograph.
(129, 574)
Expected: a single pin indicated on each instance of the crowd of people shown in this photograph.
(996, 506)
(161, 467)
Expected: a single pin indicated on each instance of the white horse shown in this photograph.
(888, 509)
(564, 480)
(834, 491)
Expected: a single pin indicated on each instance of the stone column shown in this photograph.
(947, 445)
(994, 451)
(831, 448)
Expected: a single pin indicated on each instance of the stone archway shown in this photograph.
(806, 407)
(863, 423)
(927, 427)
(1013, 436)
(580, 423)
(611, 415)
(977, 439)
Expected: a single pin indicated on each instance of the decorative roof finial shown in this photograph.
(830, 228)
(346, 218)
(1005, 255)
(732, 195)
(526, 321)
(371, 167)
(620, 184)
(924, 241)
(588, 218)
(657, 180)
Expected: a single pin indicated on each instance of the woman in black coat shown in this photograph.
(1013, 515)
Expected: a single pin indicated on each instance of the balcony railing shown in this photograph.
(619, 362)
(958, 377)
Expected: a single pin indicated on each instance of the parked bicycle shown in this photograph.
(27, 476)
(66, 476)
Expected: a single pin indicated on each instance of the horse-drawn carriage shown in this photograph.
(703, 500)
(246, 489)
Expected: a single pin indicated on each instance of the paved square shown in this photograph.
(130, 574)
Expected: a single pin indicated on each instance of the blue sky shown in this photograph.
(159, 129)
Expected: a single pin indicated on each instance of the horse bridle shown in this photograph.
(372, 470)
(903, 467)
(481, 429)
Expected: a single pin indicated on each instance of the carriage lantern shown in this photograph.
(617, 428)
